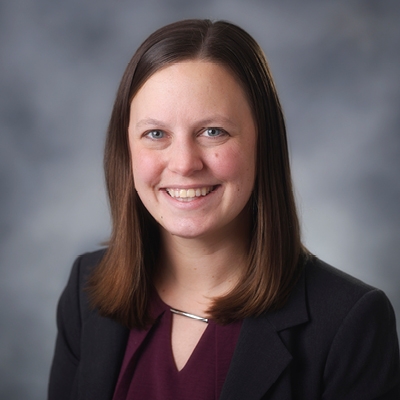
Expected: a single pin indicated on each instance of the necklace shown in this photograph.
(188, 315)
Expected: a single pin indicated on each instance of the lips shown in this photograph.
(189, 193)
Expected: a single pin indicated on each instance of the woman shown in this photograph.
(205, 291)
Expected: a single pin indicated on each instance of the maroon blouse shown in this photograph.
(149, 371)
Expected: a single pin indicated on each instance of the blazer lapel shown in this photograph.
(259, 359)
(104, 353)
(260, 356)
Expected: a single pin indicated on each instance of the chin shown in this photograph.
(186, 234)
(191, 231)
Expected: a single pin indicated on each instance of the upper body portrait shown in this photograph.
(205, 290)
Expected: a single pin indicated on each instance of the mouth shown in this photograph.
(189, 194)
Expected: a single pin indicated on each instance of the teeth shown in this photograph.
(189, 193)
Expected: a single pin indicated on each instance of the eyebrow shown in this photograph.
(149, 121)
(215, 119)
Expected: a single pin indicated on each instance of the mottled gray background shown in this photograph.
(336, 64)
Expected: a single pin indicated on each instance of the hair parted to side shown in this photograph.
(119, 286)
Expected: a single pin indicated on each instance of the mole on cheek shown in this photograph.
(216, 155)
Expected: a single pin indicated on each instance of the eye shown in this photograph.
(156, 134)
(214, 132)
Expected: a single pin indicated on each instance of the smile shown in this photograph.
(189, 194)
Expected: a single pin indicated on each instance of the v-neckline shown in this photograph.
(159, 306)
(149, 366)
(207, 333)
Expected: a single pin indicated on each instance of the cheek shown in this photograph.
(236, 166)
(146, 168)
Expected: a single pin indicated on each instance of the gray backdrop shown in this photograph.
(336, 64)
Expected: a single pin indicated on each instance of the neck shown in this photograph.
(193, 271)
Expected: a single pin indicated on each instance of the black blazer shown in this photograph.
(334, 339)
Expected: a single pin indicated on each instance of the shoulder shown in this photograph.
(337, 301)
(83, 267)
(345, 332)
(318, 271)
(85, 262)
(354, 323)
(74, 299)
(322, 297)
(334, 293)
(84, 339)
(328, 304)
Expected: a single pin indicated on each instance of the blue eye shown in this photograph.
(155, 134)
(213, 132)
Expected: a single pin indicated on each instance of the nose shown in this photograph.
(185, 157)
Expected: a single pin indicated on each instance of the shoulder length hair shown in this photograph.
(120, 285)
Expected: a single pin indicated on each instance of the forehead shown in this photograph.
(192, 83)
(193, 70)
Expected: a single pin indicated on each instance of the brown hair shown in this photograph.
(119, 286)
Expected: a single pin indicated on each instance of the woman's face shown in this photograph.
(193, 146)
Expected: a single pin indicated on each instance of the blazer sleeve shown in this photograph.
(363, 361)
(65, 363)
